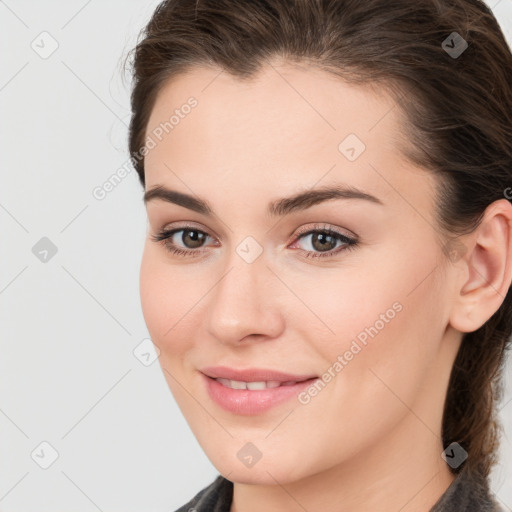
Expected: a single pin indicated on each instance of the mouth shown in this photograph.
(274, 378)
(252, 397)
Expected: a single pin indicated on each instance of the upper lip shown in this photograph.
(253, 374)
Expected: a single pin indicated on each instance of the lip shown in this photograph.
(252, 374)
(247, 402)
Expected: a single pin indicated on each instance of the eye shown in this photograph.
(191, 237)
(325, 240)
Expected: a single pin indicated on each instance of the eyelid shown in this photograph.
(302, 231)
(326, 227)
(179, 226)
(351, 241)
(348, 242)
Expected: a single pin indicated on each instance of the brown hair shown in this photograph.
(457, 113)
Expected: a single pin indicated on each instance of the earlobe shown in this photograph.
(488, 273)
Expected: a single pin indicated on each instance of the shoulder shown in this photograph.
(216, 497)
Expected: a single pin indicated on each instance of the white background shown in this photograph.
(69, 326)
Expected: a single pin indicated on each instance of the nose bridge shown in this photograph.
(241, 300)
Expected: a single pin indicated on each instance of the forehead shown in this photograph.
(289, 125)
(297, 103)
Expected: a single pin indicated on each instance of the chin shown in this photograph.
(251, 476)
(267, 472)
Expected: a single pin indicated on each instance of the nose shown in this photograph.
(245, 303)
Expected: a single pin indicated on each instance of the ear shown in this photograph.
(487, 269)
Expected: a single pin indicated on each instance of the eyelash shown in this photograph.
(350, 243)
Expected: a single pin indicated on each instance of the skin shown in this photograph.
(371, 439)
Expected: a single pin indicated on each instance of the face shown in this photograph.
(346, 288)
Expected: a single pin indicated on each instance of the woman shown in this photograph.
(328, 266)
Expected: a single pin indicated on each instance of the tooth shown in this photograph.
(238, 384)
(256, 385)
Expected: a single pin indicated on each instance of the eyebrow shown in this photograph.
(279, 207)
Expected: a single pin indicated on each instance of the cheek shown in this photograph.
(389, 336)
(165, 303)
(151, 288)
(387, 322)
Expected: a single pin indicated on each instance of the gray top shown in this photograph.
(467, 493)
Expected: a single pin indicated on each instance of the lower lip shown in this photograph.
(250, 402)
